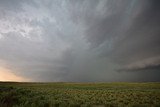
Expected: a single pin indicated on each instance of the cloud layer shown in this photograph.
(81, 41)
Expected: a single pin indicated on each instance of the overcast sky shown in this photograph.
(80, 40)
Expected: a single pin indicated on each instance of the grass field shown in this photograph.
(79, 94)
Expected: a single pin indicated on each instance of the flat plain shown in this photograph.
(63, 94)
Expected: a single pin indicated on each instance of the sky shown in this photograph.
(80, 40)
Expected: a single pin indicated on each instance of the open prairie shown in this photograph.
(18, 94)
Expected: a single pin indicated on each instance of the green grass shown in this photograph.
(79, 94)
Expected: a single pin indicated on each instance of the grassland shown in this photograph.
(79, 94)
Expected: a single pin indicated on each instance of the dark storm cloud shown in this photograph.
(151, 67)
(85, 40)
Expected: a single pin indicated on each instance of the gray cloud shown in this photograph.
(81, 41)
